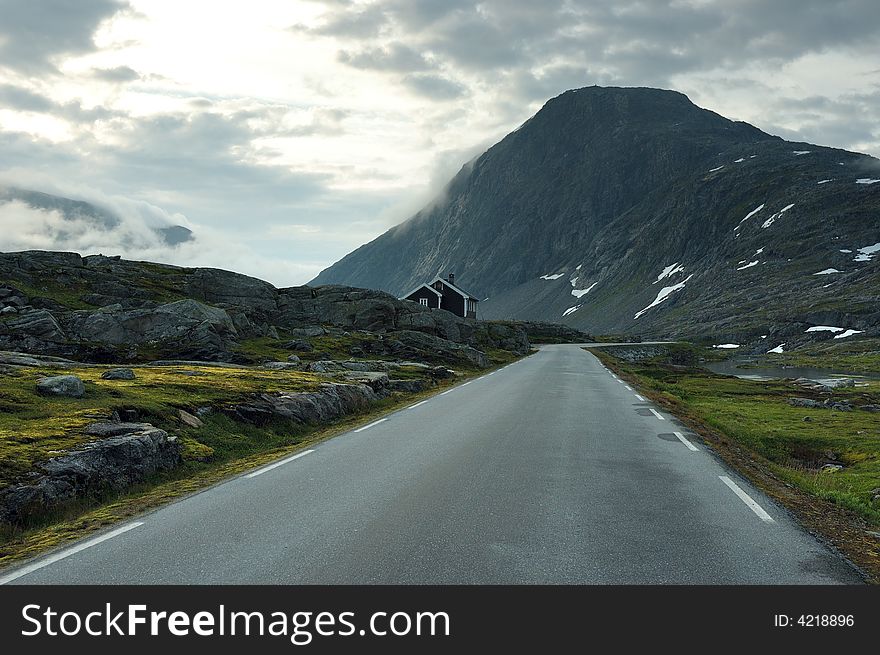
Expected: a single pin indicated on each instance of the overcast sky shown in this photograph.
(287, 133)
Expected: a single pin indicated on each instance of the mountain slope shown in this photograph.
(605, 188)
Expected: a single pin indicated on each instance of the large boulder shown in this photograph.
(329, 402)
(118, 374)
(131, 454)
(66, 386)
(186, 327)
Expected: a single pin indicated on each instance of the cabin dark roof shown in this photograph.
(455, 287)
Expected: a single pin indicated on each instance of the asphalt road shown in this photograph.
(548, 471)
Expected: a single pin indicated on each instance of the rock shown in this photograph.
(806, 402)
(9, 310)
(111, 464)
(192, 374)
(407, 386)
(875, 494)
(311, 331)
(106, 429)
(118, 374)
(324, 366)
(870, 408)
(329, 402)
(831, 468)
(371, 365)
(23, 359)
(282, 366)
(37, 324)
(189, 419)
(294, 359)
(67, 386)
(441, 373)
(409, 343)
(188, 326)
(840, 406)
(375, 380)
(299, 344)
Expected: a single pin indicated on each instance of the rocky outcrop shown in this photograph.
(331, 401)
(408, 343)
(126, 454)
(143, 311)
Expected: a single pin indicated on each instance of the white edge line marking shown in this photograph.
(683, 440)
(281, 463)
(36, 566)
(640, 398)
(466, 383)
(417, 405)
(374, 423)
(657, 414)
(743, 496)
(446, 392)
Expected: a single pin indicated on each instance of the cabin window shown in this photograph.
(423, 302)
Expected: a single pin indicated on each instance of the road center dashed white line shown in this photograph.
(743, 496)
(370, 425)
(683, 440)
(627, 387)
(417, 404)
(657, 414)
(281, 463)
(36, 566)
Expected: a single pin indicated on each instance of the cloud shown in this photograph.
(393, 57)
(34, 33)
(434, 86)
(117, 75)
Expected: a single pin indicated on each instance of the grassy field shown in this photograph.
(794, 441)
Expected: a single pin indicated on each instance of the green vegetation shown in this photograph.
(794, 441)
(34, 427)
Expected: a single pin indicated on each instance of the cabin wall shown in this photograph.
(425, 293)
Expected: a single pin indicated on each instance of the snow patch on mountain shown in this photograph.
(665, 292)
(867, 253)
(669, 271)
(578, 293)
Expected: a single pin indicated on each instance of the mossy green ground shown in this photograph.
(35, 427)
(758, 416)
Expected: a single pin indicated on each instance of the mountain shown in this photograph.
(633, 210)
(98, 217)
